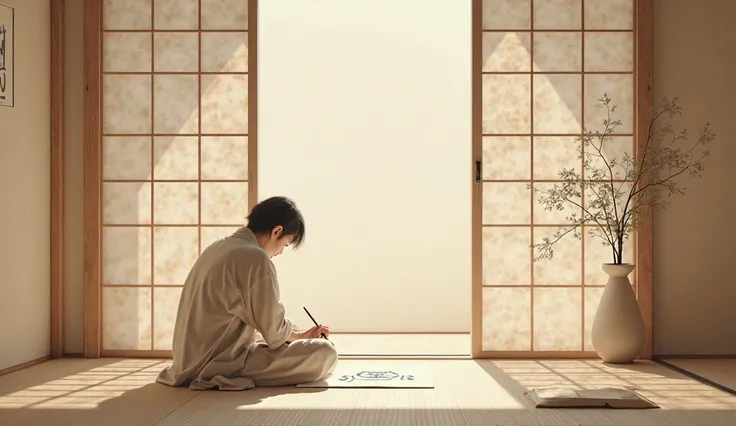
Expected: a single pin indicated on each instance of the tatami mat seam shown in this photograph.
(197, 393)
(694, 376)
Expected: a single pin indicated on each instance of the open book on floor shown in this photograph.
(560, 397)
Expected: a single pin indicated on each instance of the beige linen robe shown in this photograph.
(230, 294)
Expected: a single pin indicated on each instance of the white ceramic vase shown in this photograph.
(618, 328)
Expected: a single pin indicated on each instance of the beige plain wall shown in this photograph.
(25, 191)
(694, 288)
(694, 295)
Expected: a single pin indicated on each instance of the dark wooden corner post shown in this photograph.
(644, 101)
(92, 135)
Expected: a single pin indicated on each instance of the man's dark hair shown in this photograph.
(277, 211)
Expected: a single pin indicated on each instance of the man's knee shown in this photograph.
(325, 350)
(324, 357)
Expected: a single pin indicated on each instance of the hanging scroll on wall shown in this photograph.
(7, 97)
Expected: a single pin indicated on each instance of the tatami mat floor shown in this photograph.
(112, 392)
(721, 371)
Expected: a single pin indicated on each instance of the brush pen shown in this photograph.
(315, 322)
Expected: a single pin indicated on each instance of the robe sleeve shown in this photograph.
(267, 311)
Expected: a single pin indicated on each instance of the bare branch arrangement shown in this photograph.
(619, 192)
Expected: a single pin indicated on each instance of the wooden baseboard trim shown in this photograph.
(137, 354)
(405, 357)
(28, 364)
(536, 355)
(74, 355)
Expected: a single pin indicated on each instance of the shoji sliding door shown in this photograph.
(175, 143)
(540, 67)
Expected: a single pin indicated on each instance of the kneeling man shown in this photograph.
(230, 294)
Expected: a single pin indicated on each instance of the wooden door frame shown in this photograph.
(92, 225)
(92, 211)
(644, 76)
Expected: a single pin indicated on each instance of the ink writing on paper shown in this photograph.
(373, 376)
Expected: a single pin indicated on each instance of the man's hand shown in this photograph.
(316, 332)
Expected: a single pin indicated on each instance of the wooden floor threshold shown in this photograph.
(417, 357)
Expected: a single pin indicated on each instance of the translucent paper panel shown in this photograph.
(506, 14)
(174, 52)
(176, 203)
(126, 203)
(224, 104)
(557, 14)
(506, 157)
(506, 319)
(506, 203)
(126, 158)
(609, 14)
(506, 256)
(224, 14)
(609, 52)
(175, 100)
(126, 15)
(210, 234)
(175, 249)
(126, 255)
(225, 52)
(176, 14)
(556, 51)
(126, 318)
(126, 52)
(165, 306)
(620, 89)
(557, 104)
(596, 254)
(506, 104)
(558, 319)
(552, 154)
(565, 268)
(176, 158)
(126, 106)
(224, 203)
(224, 157)
(507, 52)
